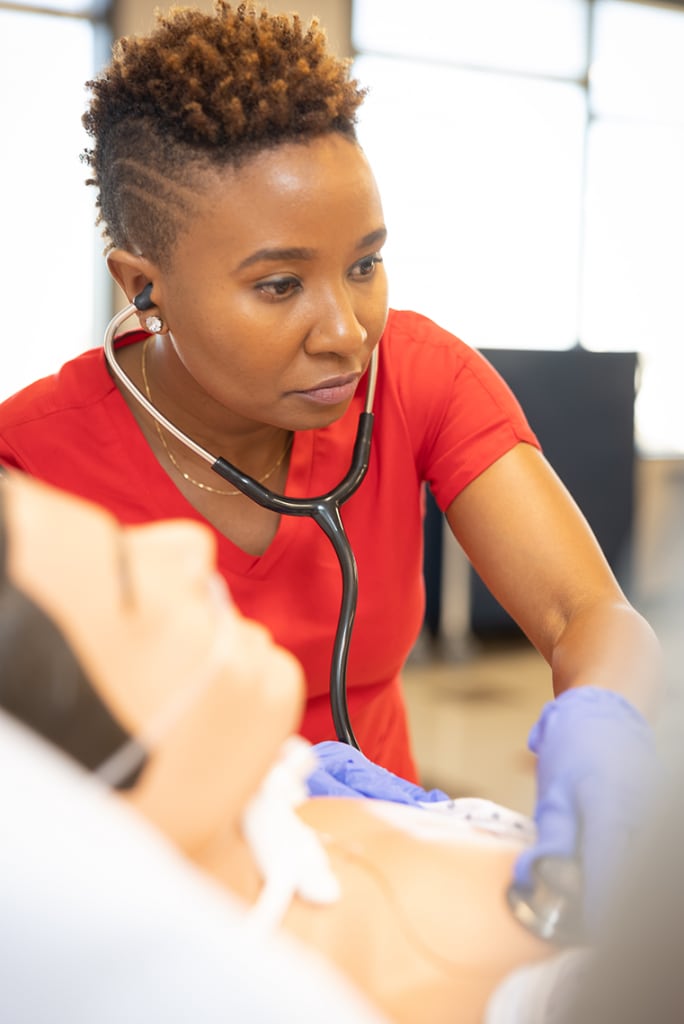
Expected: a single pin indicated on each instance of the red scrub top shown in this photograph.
(442, 416)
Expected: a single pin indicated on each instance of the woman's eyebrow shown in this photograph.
(123, 567)
(377, 237)
(276, 255)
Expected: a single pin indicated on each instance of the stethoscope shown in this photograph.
(323, 509)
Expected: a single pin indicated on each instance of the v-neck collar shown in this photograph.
(166, 501)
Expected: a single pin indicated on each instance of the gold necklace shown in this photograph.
(172, 457)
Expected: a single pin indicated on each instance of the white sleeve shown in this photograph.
(102, 920)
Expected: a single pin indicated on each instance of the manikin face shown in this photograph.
(152, 626)
(276, 295)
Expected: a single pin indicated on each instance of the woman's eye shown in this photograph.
(366, 266)
(280, 288)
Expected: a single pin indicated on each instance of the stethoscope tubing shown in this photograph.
(324, 509)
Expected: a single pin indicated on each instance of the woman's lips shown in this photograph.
(333, 391)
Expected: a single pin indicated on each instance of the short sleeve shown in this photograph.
(461, 414)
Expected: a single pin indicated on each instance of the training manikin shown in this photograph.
(408, 904)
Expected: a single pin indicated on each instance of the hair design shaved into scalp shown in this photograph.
(203, 92)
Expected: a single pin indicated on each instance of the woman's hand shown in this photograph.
(345, 771)
(596, 772)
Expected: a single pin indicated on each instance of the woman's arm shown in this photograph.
(596, 762)
(532, 547)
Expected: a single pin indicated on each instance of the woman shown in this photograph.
(240, 211)
(138, 617)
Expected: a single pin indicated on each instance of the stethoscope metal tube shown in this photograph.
(324, 509)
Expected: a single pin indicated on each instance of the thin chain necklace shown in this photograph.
(172, 457)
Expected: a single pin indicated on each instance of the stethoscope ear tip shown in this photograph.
(143, 300)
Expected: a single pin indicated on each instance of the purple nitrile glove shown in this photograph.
(345, 771)
(596, 772)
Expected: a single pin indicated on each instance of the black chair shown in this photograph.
(581, 406)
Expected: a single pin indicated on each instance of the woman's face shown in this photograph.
(276, 295)
(152, 626)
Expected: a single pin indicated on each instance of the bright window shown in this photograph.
(466, 162)
(51, 268)
(530, 155)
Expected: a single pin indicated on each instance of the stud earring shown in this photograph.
(154, 324)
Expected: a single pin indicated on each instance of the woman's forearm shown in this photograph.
(611, 646)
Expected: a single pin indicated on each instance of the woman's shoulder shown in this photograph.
(407, 327)
(416, 350)
(52, 393)
(79, 384)
(412, 340)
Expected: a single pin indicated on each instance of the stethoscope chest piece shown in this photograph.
(552, 908)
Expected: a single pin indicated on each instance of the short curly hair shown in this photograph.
(200, 92)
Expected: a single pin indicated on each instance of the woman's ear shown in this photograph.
(133, 273)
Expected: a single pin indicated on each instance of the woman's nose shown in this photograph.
(337, 328)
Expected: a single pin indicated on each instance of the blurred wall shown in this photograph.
(137, 17)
